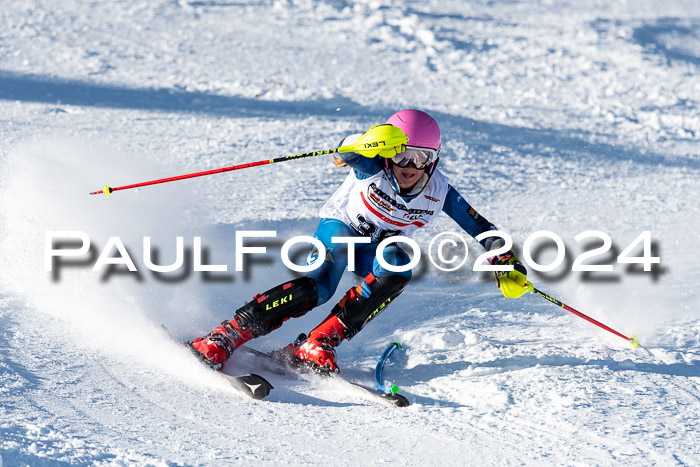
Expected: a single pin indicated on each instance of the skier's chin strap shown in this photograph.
(416, 189)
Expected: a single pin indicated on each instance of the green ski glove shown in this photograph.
(513, 284)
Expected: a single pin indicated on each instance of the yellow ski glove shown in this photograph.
(513, 284)
(380, 140)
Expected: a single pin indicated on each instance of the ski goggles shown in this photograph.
(419, 157)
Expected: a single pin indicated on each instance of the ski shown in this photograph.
(251, 385)
(392, 398)
(287, 368)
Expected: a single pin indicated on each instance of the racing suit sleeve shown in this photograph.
(468, 219)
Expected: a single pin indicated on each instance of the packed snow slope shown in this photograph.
(559, 116)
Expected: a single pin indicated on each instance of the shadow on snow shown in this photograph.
(59, 91)
(519, 140)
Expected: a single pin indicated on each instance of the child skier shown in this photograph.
(381, 197)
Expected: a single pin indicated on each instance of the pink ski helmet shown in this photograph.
(423, 132)
(422, 129)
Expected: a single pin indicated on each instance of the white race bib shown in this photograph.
(372, 208)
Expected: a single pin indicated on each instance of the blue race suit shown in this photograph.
(328, 275)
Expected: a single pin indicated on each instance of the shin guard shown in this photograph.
(267, 311)
(362, 303)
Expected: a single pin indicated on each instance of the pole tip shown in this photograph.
(634, 342)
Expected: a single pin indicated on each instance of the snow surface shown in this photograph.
(555, 116)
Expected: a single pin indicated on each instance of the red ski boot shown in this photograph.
(358, 307)
(218, 345)
(263, 314)
(317, 352)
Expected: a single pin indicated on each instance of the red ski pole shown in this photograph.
(108, 190)
(382, 140)
(634, 342)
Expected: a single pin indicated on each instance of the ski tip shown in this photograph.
(252, 385)
(397, 400)
(634, 341)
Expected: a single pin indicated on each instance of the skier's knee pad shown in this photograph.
(267, 311)
(363, 303)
